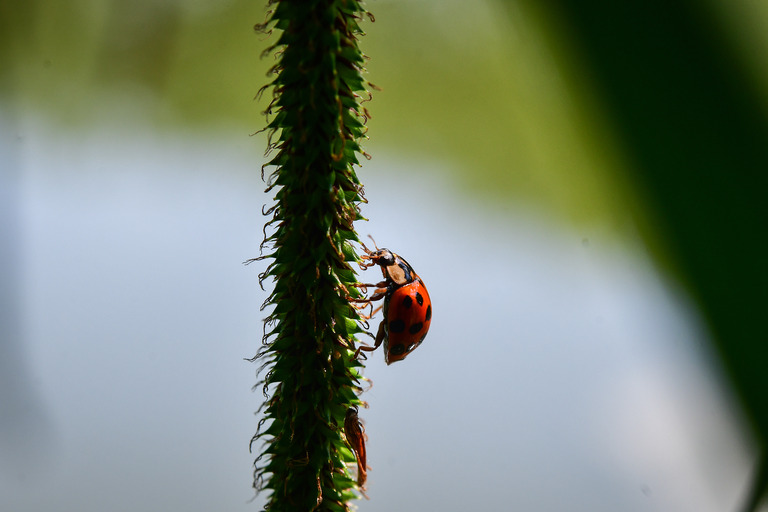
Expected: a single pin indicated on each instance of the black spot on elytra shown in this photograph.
(415, 328)
(407, 302)
(419, 299)
(396, 326)
(428, 317)
(397, 350)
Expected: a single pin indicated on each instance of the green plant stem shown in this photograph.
(311, 373)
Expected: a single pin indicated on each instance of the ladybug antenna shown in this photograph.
(366, 248)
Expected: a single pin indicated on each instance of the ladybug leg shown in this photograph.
(360, 307)
(373, 312)
(364, 266)
(380, 335)
(381, 284)
(365, 301)
(379, 294)
(379, 338)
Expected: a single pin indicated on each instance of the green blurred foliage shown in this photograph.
(192, 65)
(462, 84)
(687, 106)
(483, 87)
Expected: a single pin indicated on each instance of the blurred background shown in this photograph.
(580, 355)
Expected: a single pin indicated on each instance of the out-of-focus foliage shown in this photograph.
(462, 84)
(479, 86)
(692, 122)
(180, 62)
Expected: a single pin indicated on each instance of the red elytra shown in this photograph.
(407, 306)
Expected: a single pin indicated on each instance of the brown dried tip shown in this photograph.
(356, 438)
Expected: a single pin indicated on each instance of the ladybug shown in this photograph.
(407, 307)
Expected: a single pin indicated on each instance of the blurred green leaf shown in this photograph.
(691, 120)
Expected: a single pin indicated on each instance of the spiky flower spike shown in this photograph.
(311, 375)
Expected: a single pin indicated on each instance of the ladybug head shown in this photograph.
(383, 257)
